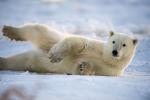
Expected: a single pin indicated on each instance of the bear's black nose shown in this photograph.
(115, 52)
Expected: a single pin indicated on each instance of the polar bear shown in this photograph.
(62, 53)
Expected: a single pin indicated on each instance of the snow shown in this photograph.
(92, 18)
(56, 87)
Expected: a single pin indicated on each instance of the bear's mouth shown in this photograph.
(116, 56)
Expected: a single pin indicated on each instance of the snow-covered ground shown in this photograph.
(93, 18)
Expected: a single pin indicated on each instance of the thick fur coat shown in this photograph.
(72, 54)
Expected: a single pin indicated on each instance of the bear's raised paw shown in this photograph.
(55, 58)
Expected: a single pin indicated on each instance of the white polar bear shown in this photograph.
(59, 53)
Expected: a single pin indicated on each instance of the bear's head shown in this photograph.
(121, 46)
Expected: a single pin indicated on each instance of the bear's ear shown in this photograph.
(111, 33)
(135, 41)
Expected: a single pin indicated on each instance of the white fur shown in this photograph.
(66, 52)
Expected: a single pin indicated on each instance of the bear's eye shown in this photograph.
(113, 42)
(124, 45)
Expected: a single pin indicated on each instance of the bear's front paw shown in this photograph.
(57, 53)
(55, 58)
(86, 69)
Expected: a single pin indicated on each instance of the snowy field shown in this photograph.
(92, 18)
